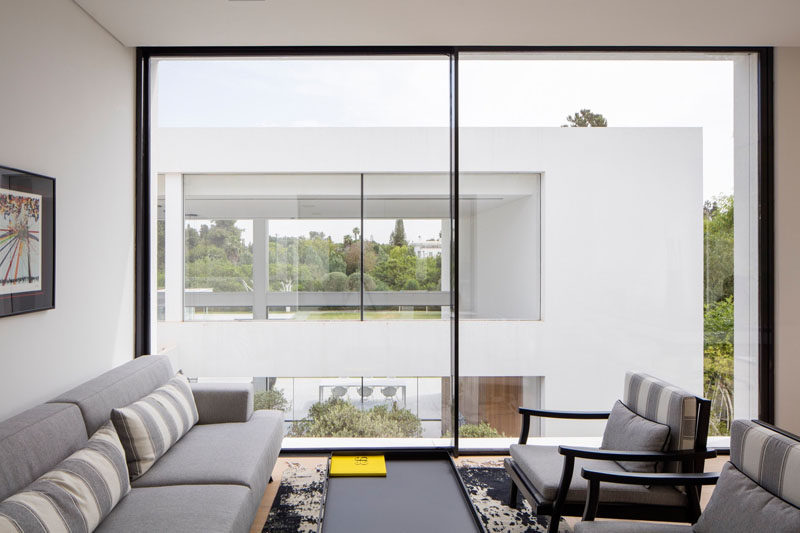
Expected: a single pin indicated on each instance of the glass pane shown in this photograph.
(277, 172)
(407, 246)
(607, 224)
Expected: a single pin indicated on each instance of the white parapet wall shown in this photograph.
(620, 272)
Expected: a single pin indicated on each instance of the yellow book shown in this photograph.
(357, 465)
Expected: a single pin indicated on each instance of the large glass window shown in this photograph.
(306, 239)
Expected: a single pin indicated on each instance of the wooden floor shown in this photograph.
(713, 465)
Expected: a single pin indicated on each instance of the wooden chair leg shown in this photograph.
(592, 500)
(512, 499)
(561, 496)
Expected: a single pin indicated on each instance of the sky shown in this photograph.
(402, 92)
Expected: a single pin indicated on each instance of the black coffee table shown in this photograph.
(422, 492)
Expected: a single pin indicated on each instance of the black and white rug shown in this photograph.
(296, 508)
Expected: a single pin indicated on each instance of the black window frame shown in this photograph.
(766, 352)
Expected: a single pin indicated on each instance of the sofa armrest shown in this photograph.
(218, 403)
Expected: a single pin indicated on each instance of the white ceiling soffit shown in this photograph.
(448, 22)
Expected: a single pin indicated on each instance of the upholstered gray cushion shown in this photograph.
(542, 465)
(223, 402)
(182, 509)
(35, 441)
(770, 459)
(249, 452)
(661, 402)
(75, 495)
(117, 388)
(627, 431)
(606, 526)
(739, 504)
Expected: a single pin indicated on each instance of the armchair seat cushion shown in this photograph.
(543, 465)
(630, 527)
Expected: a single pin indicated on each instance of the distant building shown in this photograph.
(429, 248)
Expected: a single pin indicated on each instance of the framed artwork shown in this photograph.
(27, 242)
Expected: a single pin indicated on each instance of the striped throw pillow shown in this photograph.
(77, 494)
(150, 426)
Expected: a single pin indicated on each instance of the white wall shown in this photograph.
(67, 111)
(622, 273)
(787, 227)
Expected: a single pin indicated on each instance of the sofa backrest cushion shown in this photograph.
(768, 458)
(117, 388)
(36, 440)
(739, 504)
(661, 402)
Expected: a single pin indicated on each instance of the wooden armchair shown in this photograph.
(547, 476)
(757, 490)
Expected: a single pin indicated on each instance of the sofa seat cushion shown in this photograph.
(543, 465)
(630, 527)
(182, 509)
(241, 453)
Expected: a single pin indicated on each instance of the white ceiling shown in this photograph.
(449, 22)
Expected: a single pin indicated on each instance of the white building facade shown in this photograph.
(580, 257)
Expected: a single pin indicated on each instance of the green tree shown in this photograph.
(398, 236)
(718, 248)
(270, 399)
(399, 267)
(718, 309)
(585, 119)
(718, 364)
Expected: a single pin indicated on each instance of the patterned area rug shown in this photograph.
(296, 508)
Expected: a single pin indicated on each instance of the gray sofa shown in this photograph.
(213, 479)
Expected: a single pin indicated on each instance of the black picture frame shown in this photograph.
(44, 296)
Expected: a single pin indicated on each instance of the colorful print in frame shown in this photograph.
(27, 242)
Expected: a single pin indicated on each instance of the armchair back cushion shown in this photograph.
(759, 489)
(628, 431)
(770, 459)
(661, 402)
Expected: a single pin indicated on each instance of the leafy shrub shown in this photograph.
(334, 282)
(411, 285)
(270, 399)
(482, 430)
(339, 418)
(354, 282)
